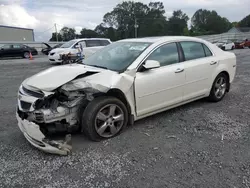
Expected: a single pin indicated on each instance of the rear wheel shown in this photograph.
(219, 88)
(104, 117)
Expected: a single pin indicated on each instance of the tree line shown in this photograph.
(130, 19)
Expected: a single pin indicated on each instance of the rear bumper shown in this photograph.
(35, 137)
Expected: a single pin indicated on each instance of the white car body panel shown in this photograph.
(146, 92)
(227, 46)
(54, 55)
(151, 96)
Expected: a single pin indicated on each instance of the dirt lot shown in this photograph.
(197, 145)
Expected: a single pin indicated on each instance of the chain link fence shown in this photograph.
(226, 36)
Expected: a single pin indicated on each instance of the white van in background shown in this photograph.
(89, 45)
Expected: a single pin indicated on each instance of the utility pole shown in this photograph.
(136, 26)
(56, 33)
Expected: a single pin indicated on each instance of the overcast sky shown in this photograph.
(42, 14)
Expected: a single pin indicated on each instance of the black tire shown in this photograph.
(26, 55)
(213, 97)
(89, 115)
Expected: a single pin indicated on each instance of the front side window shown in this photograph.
(117, 56)
(68, 44)
(192, 50)
(104, 42)
(166, 54)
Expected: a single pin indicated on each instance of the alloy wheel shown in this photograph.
(109, 120)
(220, 87)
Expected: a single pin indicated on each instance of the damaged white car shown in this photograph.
(119, 84)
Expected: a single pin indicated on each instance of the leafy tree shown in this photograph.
(209, 22)
(53, 38)
(123, 18)
(235, 24)
(245, 22)
(177, 23)
(88, 33)
(68, 33)
(186, 32)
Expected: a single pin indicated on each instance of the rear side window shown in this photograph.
(192, 50)
(92, 43)
(207, 51)
(104, 42)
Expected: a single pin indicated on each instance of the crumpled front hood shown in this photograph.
(54, 77)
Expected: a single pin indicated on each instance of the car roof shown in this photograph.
(90, 39)
(161, 39)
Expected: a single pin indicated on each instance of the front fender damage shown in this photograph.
(84, 89)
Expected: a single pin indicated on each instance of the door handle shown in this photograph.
(213, 63)
(179, 70)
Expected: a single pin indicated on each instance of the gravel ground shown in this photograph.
(197, 145)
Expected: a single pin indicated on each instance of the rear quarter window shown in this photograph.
(207, 51)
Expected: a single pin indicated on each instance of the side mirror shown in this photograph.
(77, 46)
(151, 64)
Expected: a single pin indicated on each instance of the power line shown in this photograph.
(41, 32)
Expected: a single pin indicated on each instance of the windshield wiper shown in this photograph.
(98, 66)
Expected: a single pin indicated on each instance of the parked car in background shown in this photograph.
(123, 82)
(48, 48)
(225, 44)
(89, 45)
(17, 50)
(240, 44)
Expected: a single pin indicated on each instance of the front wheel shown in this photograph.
(219, 88)
(26, 55)
(103, 118)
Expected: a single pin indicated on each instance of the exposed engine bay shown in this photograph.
(60, 107)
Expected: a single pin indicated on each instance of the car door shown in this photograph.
(199, 65)
(6, 50)
(163, 86)
(17, 50)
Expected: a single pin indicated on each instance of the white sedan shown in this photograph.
(124, 82)
(225, 45)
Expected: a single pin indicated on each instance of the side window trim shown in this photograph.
(155, 48)
(204, 45)
(181, 53)
(204, 49)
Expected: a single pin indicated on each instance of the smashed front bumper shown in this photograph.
(35, 137)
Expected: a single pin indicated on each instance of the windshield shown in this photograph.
(68, 44)
(116, 56)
